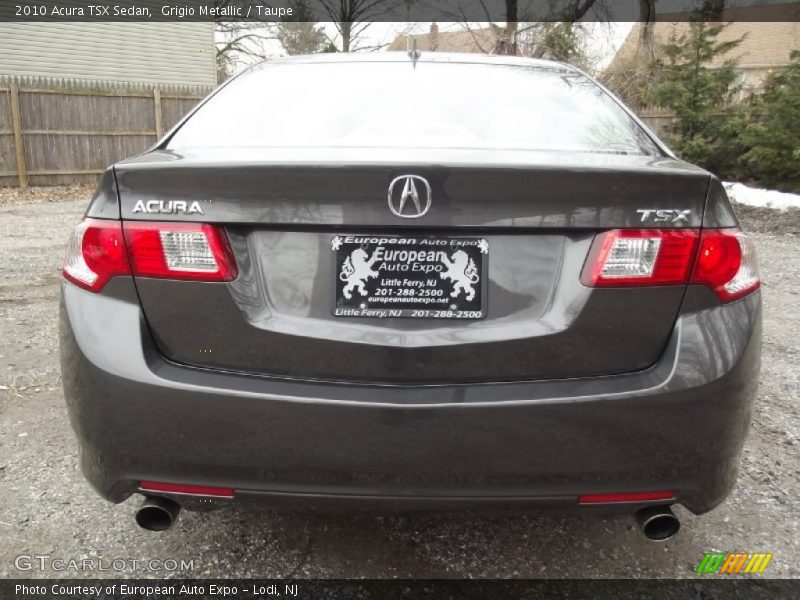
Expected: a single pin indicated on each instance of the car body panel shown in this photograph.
(679, 425)
(545, 336)
(105, 201)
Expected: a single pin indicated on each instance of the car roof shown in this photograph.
(424, 57)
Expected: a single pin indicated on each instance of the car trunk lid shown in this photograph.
(537, 215)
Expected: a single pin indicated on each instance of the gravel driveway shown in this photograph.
(47, 508)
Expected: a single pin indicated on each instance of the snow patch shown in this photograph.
(742, 194)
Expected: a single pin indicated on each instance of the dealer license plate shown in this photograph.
(388, 276)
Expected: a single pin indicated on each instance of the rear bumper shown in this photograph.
(679, 425)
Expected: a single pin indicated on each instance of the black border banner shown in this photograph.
(398, 10)
(396, 589)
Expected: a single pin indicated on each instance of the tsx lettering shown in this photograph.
(664, 215)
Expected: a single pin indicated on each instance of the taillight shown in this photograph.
(638, 257)
(99, 250)
(179, 251)
(723, 259)
(726, 262)
(95, 254)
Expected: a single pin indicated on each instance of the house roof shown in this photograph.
(765, 44)
(472, 40)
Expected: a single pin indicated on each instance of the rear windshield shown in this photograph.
(430, 105)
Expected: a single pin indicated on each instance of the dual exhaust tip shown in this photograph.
(658, 523)
(157, 513)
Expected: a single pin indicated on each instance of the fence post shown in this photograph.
(16, 127)
(157, 113)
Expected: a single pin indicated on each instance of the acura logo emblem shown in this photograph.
(409, 196)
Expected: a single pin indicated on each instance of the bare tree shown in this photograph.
(507, 42)
(647, 16)
(523, 18)
(352, 17)
(633, 76)
(238, 41)
(575, 10)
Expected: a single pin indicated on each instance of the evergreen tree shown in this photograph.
(701, 96)
(562, 40)
(301, 35)
(772, 131)
(564, 43)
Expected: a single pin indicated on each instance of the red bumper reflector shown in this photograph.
(628, 497)
(180, 488)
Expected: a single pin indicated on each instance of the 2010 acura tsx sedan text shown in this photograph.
(427, 281)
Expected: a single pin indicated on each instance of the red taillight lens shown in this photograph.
(180, 251)
(726, 262)
(95, 254)
(634, 257)
(99, 250)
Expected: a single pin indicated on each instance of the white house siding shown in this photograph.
(156, 53)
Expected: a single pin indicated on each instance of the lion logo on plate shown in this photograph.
(356, 269)
(461, 270)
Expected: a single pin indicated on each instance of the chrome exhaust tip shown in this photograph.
(157, 513)
(658, 523)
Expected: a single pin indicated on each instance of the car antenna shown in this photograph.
(413, 53)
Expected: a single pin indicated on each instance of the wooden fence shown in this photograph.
(62, 132)
(657, 119)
